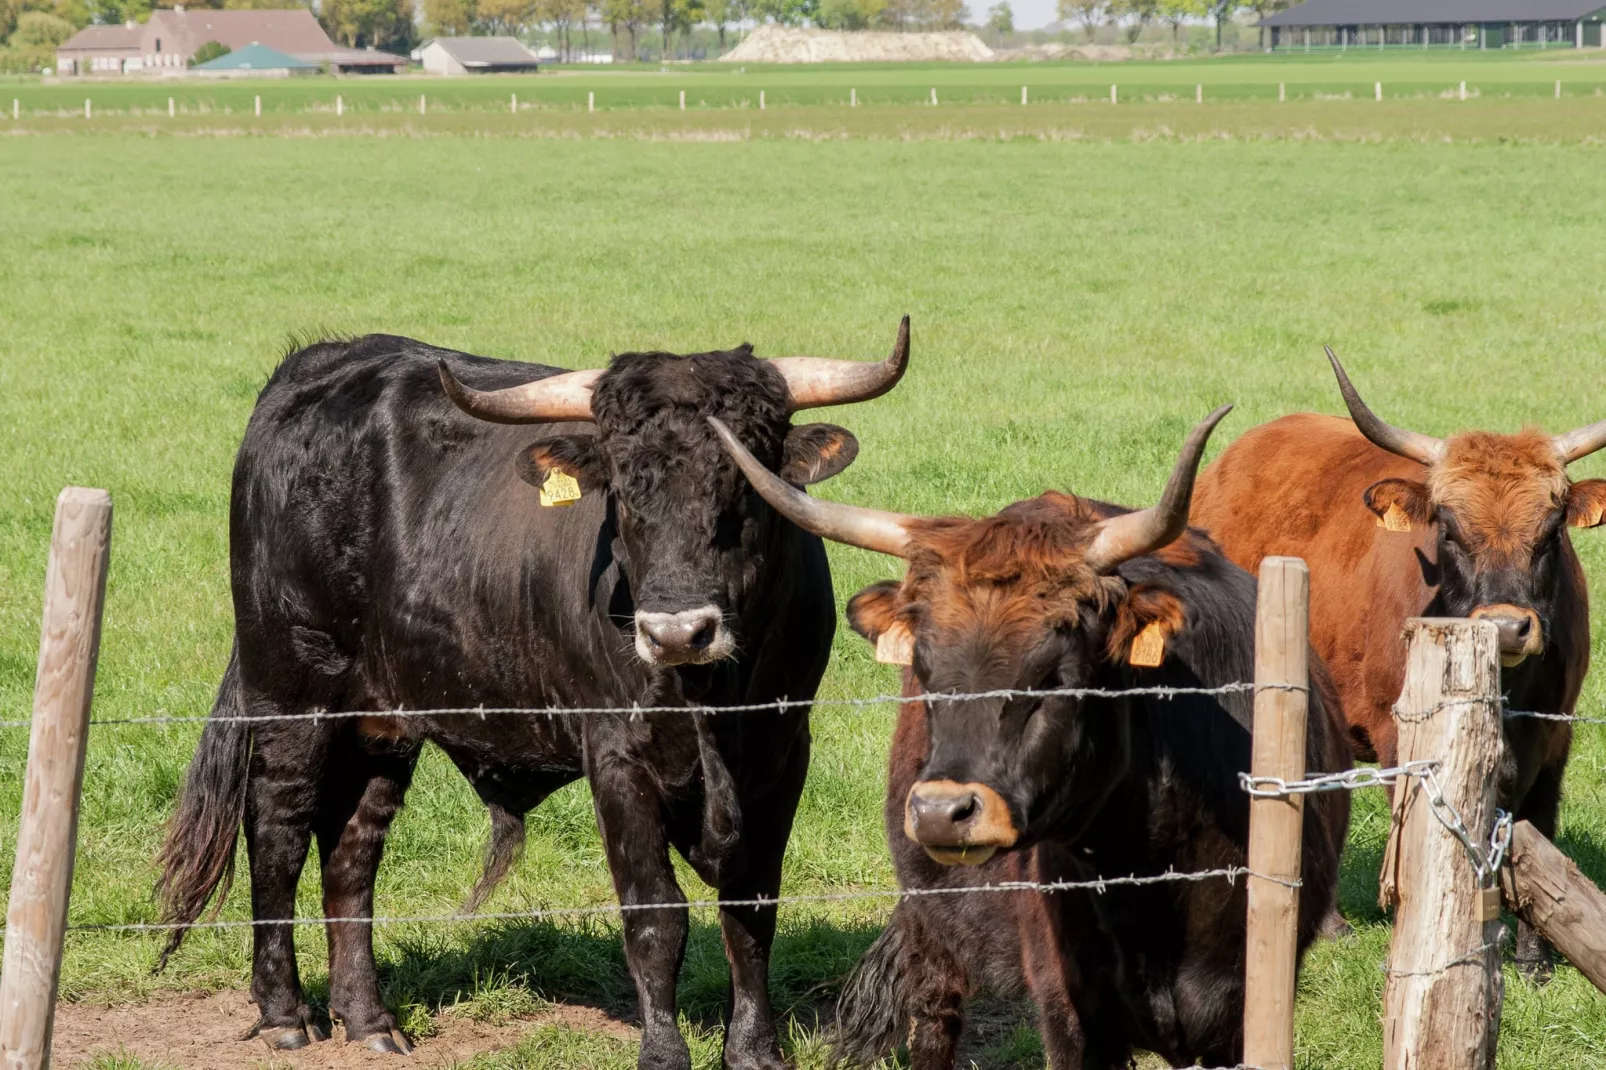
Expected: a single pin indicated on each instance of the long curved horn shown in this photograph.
(1424, 449)
(551, 400)
(868, 529)
(1121, 538)
(1581, 442)
(815, 381)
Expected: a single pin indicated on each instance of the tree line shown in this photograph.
(40, 25)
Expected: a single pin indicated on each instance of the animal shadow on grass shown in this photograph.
(517, 970)
(1587, 853)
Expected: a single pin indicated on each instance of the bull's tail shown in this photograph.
(197, 859)
(874, 1010)
(507, 843)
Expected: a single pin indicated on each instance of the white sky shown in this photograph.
(1029, 14)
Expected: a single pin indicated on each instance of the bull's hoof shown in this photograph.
(392, 1043)
(1536, 972)
(1334, 927)
(288, 1037)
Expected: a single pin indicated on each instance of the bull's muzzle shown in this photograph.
(691, 637)
(958, 824)
(1521, 634)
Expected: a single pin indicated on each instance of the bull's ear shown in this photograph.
(1586, 503)
(1145, 621)
(874, 610)
(573, 455)
(1399, 504)
(816, 451)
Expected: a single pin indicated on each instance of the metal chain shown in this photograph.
(1485, 863)
(637, 711)
(1273, 787)
(1099, 885)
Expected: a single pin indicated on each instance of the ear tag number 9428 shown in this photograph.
(560, 488)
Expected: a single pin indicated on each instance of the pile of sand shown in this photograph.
(789, 44)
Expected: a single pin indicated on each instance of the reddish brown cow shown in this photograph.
(1397, 524)
(1053, 593)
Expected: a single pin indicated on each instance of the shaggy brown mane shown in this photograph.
(1503, 489)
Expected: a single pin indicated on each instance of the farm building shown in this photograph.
(256, 61)
(1463, 24)
(475, 55)
(171, 37)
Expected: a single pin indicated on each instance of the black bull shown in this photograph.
(387, 552)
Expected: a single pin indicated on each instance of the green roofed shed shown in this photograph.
(256, 58)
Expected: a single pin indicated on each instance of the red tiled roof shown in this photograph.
(102, 39)
(295, 31)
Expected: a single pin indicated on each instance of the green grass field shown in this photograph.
(1076, 306)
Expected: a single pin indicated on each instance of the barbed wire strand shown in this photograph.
(1099, 885)
(1162, 692)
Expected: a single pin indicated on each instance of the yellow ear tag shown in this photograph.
(1148, 647)
(1394, 518)
(560, 488)
(895, 646)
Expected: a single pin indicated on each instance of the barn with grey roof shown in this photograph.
(1462, 24)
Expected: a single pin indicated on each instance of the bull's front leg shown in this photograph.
(749, 932)
(630, 817)
(1533, 956)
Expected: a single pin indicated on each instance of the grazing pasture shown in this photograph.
(1076, 307)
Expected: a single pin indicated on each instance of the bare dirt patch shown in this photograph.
(202, 1032)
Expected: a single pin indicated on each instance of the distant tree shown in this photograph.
(257, 5)
(720, 13)
(677, 16)
(209, 52)
(788, 12)
(630, 15)
(1090, 13)
(504, 16)
(561, 15)
(1176, 12)
(386, 24)
(1221, 11)
(449, 18)
(112, 12)
(40, 29)
(1001, 20)
(1136, 14)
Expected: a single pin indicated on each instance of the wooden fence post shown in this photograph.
(1441, 1006)
(41, 880)
(1282, 646)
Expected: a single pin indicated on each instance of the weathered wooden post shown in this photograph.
(1282, 647)
(1442, 1002)
(47, 836)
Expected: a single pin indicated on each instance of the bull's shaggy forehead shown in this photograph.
(651, 413)
(1020, 570)
(1501, 488)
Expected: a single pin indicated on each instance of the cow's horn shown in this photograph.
(1424, 449)
(550, 400)
(1581, 442)
(1130, 535)
(868, 529)
(815, 381)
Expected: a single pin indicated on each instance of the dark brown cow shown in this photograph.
(1054, 593)
(1396, 524)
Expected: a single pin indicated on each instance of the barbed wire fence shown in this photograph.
(1275, 786)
